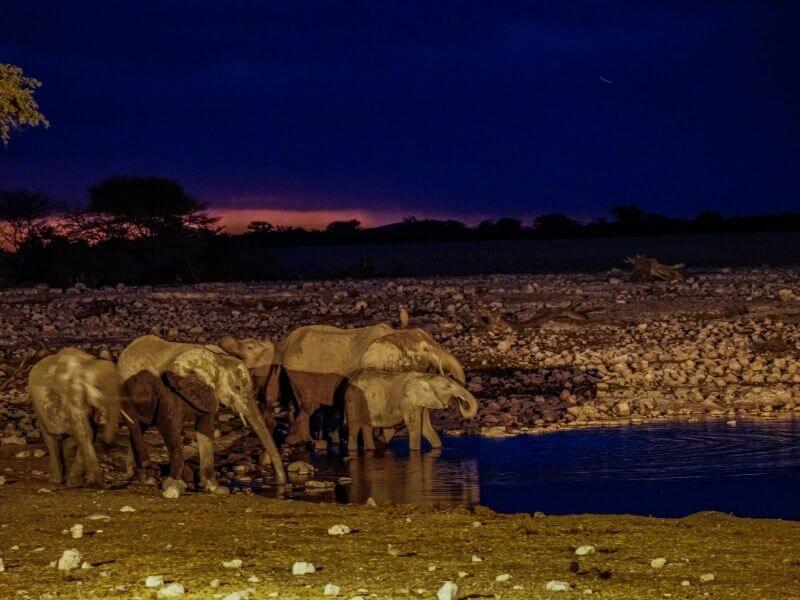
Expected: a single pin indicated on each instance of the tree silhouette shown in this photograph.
(148, 206)
(23, 217)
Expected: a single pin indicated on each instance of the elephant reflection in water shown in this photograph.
(422, 478)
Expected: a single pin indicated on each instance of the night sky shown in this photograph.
(380, 110)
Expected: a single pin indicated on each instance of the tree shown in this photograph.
(23, 217)
(628, 215)
(555, 224)
(149, 206)
(343, 227)
(18, 108)
(260, 227)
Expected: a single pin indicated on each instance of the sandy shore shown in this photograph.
(391, 552)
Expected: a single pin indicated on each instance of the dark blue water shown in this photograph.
(665, 470)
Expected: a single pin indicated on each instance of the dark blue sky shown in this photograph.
(462, 109)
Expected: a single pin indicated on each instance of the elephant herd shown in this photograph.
(381, 377)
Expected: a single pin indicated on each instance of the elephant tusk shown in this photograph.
(241, 416)
(124, 414)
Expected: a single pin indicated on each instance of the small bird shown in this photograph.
(604, 80)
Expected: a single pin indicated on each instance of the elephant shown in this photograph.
(166, 403)
(225, 375)
(385, 399)
(73, 392)
(263, 359)
(317, 359)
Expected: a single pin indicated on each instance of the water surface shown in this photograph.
(662, 469)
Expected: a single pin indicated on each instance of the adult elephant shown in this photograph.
(226, 376)
(72, 392)
(318, 358)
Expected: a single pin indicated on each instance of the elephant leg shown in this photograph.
(300, 431)
(205, 448)
(428, 431)
(54, 450)
(172, 433)
(138, 451)
(413, 419)
(367, 431)
(84, 435)
(76, 467)
(310, 391)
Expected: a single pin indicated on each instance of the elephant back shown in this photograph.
(149, 353)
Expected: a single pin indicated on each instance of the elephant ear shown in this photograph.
(426, 390)
(406, 350)
(192, 389)
(142, 396)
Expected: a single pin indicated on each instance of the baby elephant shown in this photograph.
(166, 404)
(72, 392)
(384, 399)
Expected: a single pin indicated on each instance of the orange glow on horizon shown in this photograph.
(236, 220)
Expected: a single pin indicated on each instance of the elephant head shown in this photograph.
(411, 350)
(438, 391)
(263, 359)
(230, 380)
(105, 392)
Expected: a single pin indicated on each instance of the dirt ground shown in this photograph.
(391, 552)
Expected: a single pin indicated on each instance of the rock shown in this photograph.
(22, 454)
(127, 509)
(448, 591)
(253, 579)
(558, 586)
(476, 559)
(785, 294)
(13, 440)
(371, 502)
(70, 559)
(584, 550)
(2, 480)
(658, 563)
(300, 467)
(503, 577)
(331, 589)
(173, 590)
(623, 409)
(172, 492)
(2, 566)
(76, 531)
(338, 530)
(303, 568)
(707, 577)
(236, 563)
(154, 581)
(39, 453)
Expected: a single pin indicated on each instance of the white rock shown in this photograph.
(448, 591)
(338, 530)
(39, 453)
(331, 589)
(303, 568)
(70, 559)
(476, 559)
(462, 574)
(2, 480)
(76, 531)
(584, 550)
(236, 563)
(300, 467)
(558, 586)
(239, 595)
(171, 492)
(154, 581)
(22, 454)
(127, 509)
(503, 577)
(253, 579)
(214, 583)
(707, 577)
(371, 502)
(657, 563)
(173, 590)
(2, 566)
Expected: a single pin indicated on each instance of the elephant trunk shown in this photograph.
(112, 412)
(451, 367)
(260, 429)
(467, 404)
